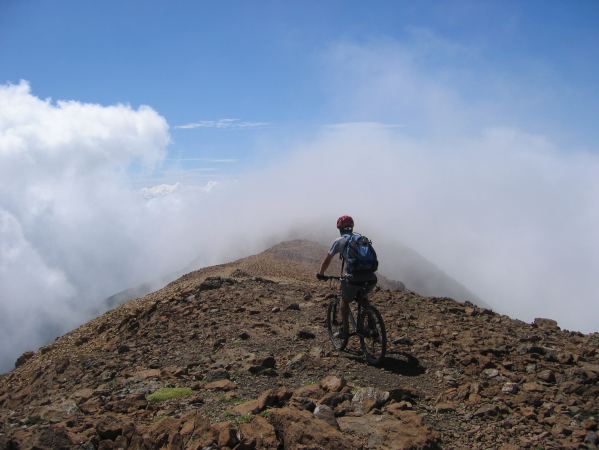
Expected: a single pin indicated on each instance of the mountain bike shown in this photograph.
(368, 325)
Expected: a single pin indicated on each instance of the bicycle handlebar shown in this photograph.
(328, 277)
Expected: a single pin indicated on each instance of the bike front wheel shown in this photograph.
(373, 336)
(335, 325)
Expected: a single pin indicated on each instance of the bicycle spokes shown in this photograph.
(335, 326)
(373, 339)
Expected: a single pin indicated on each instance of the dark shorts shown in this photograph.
(349, 289)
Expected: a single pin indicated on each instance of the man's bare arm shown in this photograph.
(325, 264)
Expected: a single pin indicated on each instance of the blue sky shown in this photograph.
(269, 62)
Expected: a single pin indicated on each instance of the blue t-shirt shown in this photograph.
(339, 244)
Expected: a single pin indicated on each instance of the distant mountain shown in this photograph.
(400, 262)
(400, 267)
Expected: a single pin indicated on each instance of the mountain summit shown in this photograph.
(236, 356)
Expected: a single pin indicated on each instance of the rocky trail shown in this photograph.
(237, 356)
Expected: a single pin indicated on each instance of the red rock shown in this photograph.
(395, 408)
(532, 387)
(249, 407)
(110, 427)
(220, 385)
(83, 395)
(226, 435)
(325, 413)
(590, 423)
(312, 391)
(547, 376)
(402, 432)
(445, 407)
(367, 398)
(546, 323)
(258, 433)
(148, 373)
(333, 383)
(299, 429)
(486, 410)
(23, 358)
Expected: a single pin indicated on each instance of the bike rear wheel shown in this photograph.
(335, 325)
(373, 336)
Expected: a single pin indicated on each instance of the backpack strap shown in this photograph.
(343, 251)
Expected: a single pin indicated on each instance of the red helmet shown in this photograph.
(344, 222)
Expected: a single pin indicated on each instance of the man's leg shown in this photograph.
(348, 293)
(345, 315)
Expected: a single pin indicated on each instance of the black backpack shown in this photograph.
(359, 257)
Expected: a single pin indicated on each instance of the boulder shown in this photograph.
(244, 336)
(546, 375)
(548, 324)
(220, 385)
(263, 366)
(218, 374)
(110, 427)
(491, 373)
(333, 383)
(214, 283)
(325, 413)
(23, 359)
(510, 388)
(333, 399)
(368, 398)
(271, 398)
(258, 433)
(193, 428)
(299, 429)
(60, 411)
(532, 387)
(226, 434)
(486, 411)
(297, 361)
(400, 432)
(274, 398)
(147, 373)
(313, 391)
(305, 334)
(249, 407)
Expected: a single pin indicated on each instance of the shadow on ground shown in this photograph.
(399, 363)
(402, 363)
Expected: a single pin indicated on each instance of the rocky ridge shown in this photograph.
(245, 345)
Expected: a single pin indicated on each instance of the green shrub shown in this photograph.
(246, 418)
(163, 394)
(237, 419)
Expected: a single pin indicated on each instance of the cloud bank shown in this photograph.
(70, 227)
(509, 213)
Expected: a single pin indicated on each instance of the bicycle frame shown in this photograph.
(373, 340)
(360, 299)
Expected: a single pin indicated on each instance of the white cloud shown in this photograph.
(159, 190)
(71, 227)
(210, 186)
(351, 125)
(223, 124)
(213, 160)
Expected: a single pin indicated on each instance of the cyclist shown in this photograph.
(350, 284)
